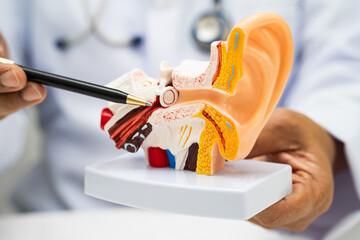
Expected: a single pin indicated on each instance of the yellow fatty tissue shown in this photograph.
(218, 128)
(231, 60)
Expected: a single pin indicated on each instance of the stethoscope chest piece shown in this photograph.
(210, 27)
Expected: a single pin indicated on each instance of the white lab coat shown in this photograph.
(324, 84)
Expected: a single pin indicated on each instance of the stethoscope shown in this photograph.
(208, 27)
(211, 26)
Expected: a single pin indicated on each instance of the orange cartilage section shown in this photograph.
(220, 129)
(231, 65)
(183, 133)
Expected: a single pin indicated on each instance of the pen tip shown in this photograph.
(148, 104)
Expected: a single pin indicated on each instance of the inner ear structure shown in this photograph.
(206, 112)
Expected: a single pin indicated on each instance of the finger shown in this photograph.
(281, 133)
(260, 158)
(32, 94)
(4, 52)
(287, 211)
(254, 221)
(298, 160)
(12, 78)
(300, 225)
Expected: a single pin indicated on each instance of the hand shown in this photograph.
(15, 92)
(292, 138)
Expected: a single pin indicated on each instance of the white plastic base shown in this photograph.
(239, 191)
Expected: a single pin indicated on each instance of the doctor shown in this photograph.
(317, 134)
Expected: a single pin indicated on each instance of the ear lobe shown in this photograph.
(266, 64)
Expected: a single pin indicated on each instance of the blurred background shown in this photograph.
(31, 155)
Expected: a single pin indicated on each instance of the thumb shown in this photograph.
(280, 133)
(4, 52)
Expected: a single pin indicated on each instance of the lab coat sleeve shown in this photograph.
(327, 81)
(12, 139)
(13, 128)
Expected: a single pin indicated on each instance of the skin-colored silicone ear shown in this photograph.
(256, 62)
(267, 60)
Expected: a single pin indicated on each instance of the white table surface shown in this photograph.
(126, 223)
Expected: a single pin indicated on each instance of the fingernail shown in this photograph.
(10, 79)
(31, 93)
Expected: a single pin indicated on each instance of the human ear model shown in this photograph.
(206, 112)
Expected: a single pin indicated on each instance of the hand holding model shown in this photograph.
(292, 138)
(15, 92)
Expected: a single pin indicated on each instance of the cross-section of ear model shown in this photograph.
(206, 112)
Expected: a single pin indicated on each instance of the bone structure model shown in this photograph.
(206, 112)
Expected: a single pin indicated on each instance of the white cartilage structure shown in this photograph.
(206, 112)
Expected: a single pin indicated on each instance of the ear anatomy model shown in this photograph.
(206, 112)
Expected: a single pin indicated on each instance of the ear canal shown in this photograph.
(264, 65)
